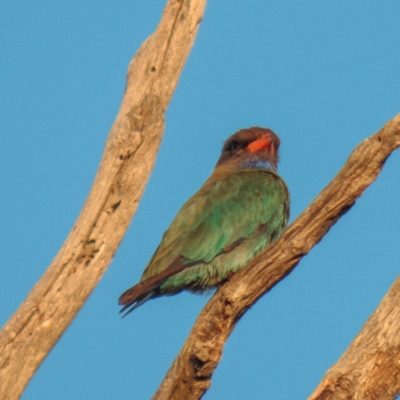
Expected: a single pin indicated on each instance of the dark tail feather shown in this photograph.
(137, 295)
(147, 289)
(139, 302)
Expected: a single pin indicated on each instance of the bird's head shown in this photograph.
(250, 148)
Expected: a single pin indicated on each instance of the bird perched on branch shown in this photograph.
(240, 209)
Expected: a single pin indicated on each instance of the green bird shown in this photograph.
(240, 209)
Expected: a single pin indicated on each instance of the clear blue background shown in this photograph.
(323, 75)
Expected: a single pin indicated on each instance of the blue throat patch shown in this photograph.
(257, 164)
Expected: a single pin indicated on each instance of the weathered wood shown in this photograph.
(127, 161)
(190, 374)
(370, 367)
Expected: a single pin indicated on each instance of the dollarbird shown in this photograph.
(241, 208)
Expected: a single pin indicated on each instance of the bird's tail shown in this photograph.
(150, 288)
(137, 295)
(133, 303)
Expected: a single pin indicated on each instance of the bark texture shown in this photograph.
(127, 161)
(370, 368)
(190, 374)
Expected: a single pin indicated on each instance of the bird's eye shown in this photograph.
(232, 146)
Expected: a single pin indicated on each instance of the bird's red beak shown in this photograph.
(264, 142)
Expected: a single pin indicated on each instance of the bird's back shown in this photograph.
(218, 230)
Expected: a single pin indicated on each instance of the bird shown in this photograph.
(241, 208)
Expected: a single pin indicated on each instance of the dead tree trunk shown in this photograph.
(127, 161)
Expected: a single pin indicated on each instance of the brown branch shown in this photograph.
(127, 161)
(190, 374)
(370, 367)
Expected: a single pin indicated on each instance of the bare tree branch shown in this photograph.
(190, 374)
(370, 368)
(127, 161)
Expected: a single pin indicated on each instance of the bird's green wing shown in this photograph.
(221, 215)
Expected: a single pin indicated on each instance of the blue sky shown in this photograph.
(323, 75)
